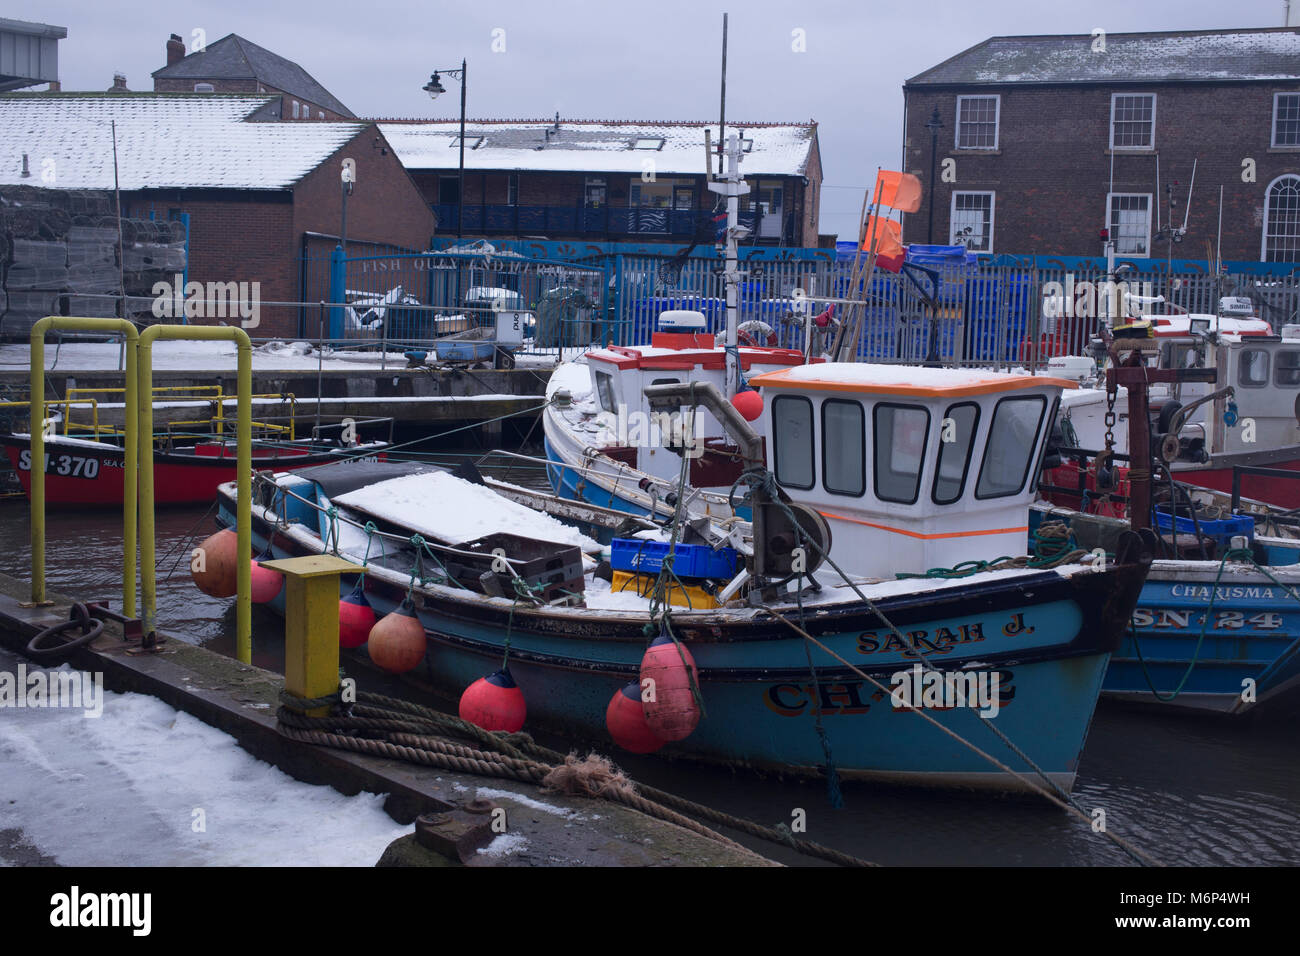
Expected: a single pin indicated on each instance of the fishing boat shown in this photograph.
(807, 643)
(82, 473)
(1247, 418)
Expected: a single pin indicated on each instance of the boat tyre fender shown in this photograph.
(78, 617)
(756, 334)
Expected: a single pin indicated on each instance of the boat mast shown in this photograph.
(733, 187)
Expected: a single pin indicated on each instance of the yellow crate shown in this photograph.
(643, 584)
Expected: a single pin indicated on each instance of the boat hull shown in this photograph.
(1250, 653)
(84, 476)
(1046, 636)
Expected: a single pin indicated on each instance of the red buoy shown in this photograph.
(397, 641)
(749, 403)
(215, 565)
(356, 618)
(494, 702)
(670, 711)
(266, 583)
(625, 719)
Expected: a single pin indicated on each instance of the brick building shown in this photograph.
(235, 65)
(609, 181)
(1043, 141)
(250, 193)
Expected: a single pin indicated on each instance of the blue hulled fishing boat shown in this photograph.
(810, 652)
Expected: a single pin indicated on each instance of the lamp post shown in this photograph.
(435, 88)
(934, 125)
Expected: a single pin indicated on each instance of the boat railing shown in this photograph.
(67, 404)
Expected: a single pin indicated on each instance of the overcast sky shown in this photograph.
(649, 59)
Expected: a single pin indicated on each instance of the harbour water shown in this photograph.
(1186, 790)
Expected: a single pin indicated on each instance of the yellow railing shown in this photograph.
(68, 405)
(214, 395)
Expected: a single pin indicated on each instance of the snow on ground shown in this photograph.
(123, 790)
(221, 356)
(452, 510)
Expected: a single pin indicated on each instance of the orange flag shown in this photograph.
(887, 236)
(900, 191)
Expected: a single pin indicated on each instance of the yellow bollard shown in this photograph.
(311, 623)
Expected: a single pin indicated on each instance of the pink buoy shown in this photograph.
(266, 583)
(749, 403)
(397, 642)
(625, 719)
(356, 618)
(670, 710)
(494, 702)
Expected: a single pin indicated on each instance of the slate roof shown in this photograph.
(235, 58)
(164, 141)
(777, 149)
(1199, 56)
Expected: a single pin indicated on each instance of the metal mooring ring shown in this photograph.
(78, 616)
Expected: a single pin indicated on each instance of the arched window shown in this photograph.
(1282, 221)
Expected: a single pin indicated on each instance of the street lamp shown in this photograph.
(435, 88)
(934, 125)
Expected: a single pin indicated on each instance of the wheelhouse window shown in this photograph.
(1282, 220)
(1286, 372)
(1013, 436)
(1252, 369)
(605, 391)
(1130, 222)
(844, 453)
(900, 436)
(971, 221)
(792, 441)
(1132, 121)
(956, 439)
(977, 122)
(1286, 119)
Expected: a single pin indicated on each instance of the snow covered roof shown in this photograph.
(164, 140)
(234, 58)
(772, 149)
(1185, 56)
(911, 380)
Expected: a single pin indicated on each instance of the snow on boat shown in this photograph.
(1030, 642)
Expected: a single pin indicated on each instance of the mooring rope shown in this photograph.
(417, 734)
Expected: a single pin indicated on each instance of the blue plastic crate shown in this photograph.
(690, 561)
(1222, 530)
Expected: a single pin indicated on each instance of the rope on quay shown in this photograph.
(403, 730)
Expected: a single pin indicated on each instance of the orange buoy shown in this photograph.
(214, 565)
(670, 710)
(494, 702)
(397, 642)
(749, 403)
(356, 618)
(625, 719)
(265, 583)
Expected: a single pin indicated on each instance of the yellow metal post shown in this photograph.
(243, 470)
(311, 624)
(131, 455)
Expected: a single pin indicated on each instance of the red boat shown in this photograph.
(88, 474)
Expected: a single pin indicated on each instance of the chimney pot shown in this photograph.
(175, 49)
(119, 83)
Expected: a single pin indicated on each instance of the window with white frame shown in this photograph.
(1282, 221)
(1286, 119)
(977, 122)
(1130, 223)
(971, 221)
(1133, 121)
